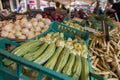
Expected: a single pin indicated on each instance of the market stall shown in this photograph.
(46, 44)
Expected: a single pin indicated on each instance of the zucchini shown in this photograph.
(46, 54)
(52, 61)
(62, 60)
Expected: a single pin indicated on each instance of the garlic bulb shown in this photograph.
(38, 17)
(17, 22)
(43, 30)
(37, 33)
(1, 24)
(25, 31)
(34, 23)
(37, 28)
(33, 20)
(24, 20)
(46, 26)
(47, 21)
(13, 31)
(22, 37)
(11, 35)
(41, 24)
(30, 35)
(4, 33)
(18, 33)
(32, 29)
(8, 27)
(28, 25)
(17, 27)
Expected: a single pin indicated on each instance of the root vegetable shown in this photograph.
(107, 53)
(96, 61)
(95, 68)
(103, 72)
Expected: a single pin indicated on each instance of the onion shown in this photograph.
(38, 17)
(11, 35)
(4, 34)
(17, 27)
(34, 23)
(22, 37)
(25, 31)
(37, 28)
(41, 24)
(28, 25)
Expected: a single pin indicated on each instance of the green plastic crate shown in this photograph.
(42, 70)
(68, 32)
(83, 24)
(54, 27)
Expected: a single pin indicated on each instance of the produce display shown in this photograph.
(78, 19)
(96, 22)
(74, 25)
(105, 55)
(24, 29)
(105, 58)
(53, 16)
(67, 56)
